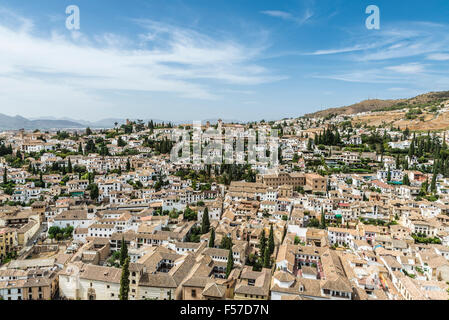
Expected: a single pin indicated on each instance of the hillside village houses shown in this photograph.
(341, 217)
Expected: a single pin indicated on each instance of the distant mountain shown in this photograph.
(104, 123)
(110, 122)
(18, 122)
(376, 105)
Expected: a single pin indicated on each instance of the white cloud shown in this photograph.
(396, 41)
(438, 56)
(341, 50)
(376, 57)
(409, 68)
(278, 14)
(308, 13)
(62, 68)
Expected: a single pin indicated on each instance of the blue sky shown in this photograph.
(194, 60)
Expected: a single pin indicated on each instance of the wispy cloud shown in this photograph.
(400, 55)
(65, 67)
(305, 17)
(399, 77)
(438, 56)
(409, 68)
(340, 50)
(278, 14)
(395, 41)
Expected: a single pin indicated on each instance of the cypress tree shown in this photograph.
(205, 224)
(406, 180)
(262, 243)
(124, 281)
(94, 192)
(123, 251)
(212, 238)
(433, 186)
(230, 264)
(411, 151)
(267, 258)
(5, 176)
(271, 241)
(69, 166)
(323, 220)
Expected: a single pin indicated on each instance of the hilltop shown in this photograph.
(428, 111)
(431, 98)
(18, 122)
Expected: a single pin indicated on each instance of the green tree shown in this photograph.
(212, 238)
(123, 251)
(271, 240)
(69, 166)
(424, 188)
(323, 220)
(226, 243)
(406, 180)
(190, 215)
(433, 183)
(121, 142)
(262, 243)
(124, 281)
(310, 145)
(267, 258)
(94, 191)
(230, 264)
(5, 176)
(205, 224)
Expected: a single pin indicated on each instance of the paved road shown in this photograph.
(25, 250)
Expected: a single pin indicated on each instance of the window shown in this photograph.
(194, 293)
